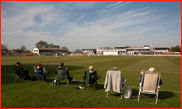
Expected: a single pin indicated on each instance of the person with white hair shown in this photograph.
(91, 70)
(90, 74)
(114, 69)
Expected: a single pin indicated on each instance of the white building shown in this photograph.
(112, 51)
(124, 50)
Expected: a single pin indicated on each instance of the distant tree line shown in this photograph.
(176, 49)
(5, 49)
(44, 44)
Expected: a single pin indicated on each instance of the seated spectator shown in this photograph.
(116, 69)
(44, 71)
(91, 71)
(39, 72)
(24, 72)
(151, 70)
(61, 66)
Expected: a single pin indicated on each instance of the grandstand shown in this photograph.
(89, 50)
(146, 50)
(49, 51)
(125, 50)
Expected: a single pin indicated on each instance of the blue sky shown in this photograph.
(91, 24)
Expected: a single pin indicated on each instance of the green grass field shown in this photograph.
(41, 94)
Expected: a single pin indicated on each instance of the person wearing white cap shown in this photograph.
(151, 70)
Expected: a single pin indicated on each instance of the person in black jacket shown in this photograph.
(61, 66)
(25, 72)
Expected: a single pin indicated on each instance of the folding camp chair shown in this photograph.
(110, 82)
(18, 74)
(91, 79)
(150, 84)
(62, 75)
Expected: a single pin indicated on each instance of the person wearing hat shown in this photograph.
(18, 64)
(151, 70)
(25, 72)
(61, 66)
(39, 72)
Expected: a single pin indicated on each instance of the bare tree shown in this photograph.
(23, 48)
(4, 48)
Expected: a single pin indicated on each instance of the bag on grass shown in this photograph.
(128, 92)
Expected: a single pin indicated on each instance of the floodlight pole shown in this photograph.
(151, 45)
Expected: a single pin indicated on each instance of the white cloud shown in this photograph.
(80, 18)
(132, 26)
(102, 11)
(25, 15)
(117, 3)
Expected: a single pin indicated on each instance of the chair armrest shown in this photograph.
(98, 77)
(124, 81)
(140, 84)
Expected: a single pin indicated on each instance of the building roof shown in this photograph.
(121, 46)
(51, 49)
(138, 48)
(161, 47)
(79, 52)
(88, 49)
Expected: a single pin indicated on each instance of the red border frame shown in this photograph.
(86, 0)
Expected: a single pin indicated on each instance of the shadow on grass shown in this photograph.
(7, 71)
(100, 86)
(162, 95)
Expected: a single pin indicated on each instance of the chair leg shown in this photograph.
(15, 77)
(121, 96)
(156, 99)
(138, 96)
(107, 94)
(83, 82)
(67, 82)
(122, 93)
